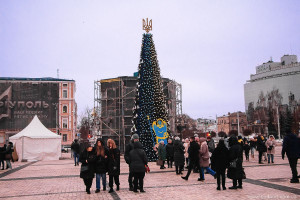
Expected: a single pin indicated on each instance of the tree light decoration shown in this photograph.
(150, 104)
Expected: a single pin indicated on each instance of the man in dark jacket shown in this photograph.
(76, 151)
(210, 144)
(261, 147)
(128, 148)
(170, 153)
(2, 156)
(194, 158)
(291, 147)
(137, 162)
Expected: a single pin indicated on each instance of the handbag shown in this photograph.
(147, 169)
(270, 148)
(233, 163)
(84, 168)
(159, 162)
(7, 156)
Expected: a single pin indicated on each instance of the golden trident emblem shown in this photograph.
(147, 26)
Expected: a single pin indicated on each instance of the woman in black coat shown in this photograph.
(178, 155)
(100, 164)
(113, 164)
(219, 162)
(87, 171)
(137, 162)
(235, 156)
(170, 153)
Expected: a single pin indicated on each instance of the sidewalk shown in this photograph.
(60, 180)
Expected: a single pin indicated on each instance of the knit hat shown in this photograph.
(135, 136)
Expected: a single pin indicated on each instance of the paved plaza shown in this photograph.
(60, 180)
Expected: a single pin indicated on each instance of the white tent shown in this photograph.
(36, 142)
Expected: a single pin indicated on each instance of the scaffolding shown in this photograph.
(113, 103)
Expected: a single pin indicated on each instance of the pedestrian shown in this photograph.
(113, 165)
(87, 171)
(261, 147)
(211, 144)
(291, 147)
(204, 156)
(170, 153)
(137, 162)
(76, 151)
(178, 155)
(162, 153)
(2, 156)
(271, 143)
(128, 148)
(186, 153)
(219, 163)
(235, 169)
(100, 164)
(8, 155)
(193, 158)
(246, 149)
(252, 142)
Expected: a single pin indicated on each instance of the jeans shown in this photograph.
(252, 151)
(130, 177)
(209, 170)
(8, 164)
(76, 157)
(98, 177)
(272, 158)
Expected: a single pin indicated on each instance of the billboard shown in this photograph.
(21, 101)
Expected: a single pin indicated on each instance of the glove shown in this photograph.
(282, 156)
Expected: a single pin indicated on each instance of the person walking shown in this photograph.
(204, 156)
(246, 148)
(8, 155)
(193, 157)
(186, 153)
(291, 147)
(75, 147)
(219, 163)
(261, 147)
(2, 156)
(235, 169)
(271, 143)
(113, 165)
(253, 142)
(128, 148)
(178, 155)
(87, 171)
(170, 153)
(137, 162)
(162, 153)
(100, 164)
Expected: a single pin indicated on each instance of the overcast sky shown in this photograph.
(210, 47)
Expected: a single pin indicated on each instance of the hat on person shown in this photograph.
(135, 136)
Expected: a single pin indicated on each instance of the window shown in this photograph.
(65, 123)
(65, 85)
(65, 93)
(65, 137)
(65, 109)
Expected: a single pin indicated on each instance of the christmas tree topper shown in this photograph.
(147, 26)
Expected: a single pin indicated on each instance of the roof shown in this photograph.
(35, 130)
(33, 79)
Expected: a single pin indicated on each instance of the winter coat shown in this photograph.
(235, 152)
(2, 153)
(8, 152)
(211, 145)
(113, 162)
(162, 154)
(137, 159)
(220, 159)
(75, 147)
(128, 148)
(101, 162)
(178, 153)
(253, 143)
(170, 150)
(186, 149)
(204, 155)
(261, 144)
(270, 143)
(291, 146)
(194, 152)
(90, 157)
(246, 148)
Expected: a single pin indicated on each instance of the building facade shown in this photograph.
(232, 121)
(52, 100)
(273, 88)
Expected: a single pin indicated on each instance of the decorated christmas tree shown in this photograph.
(150, 111)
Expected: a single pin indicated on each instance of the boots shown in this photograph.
(111, 190)
(118, 187)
